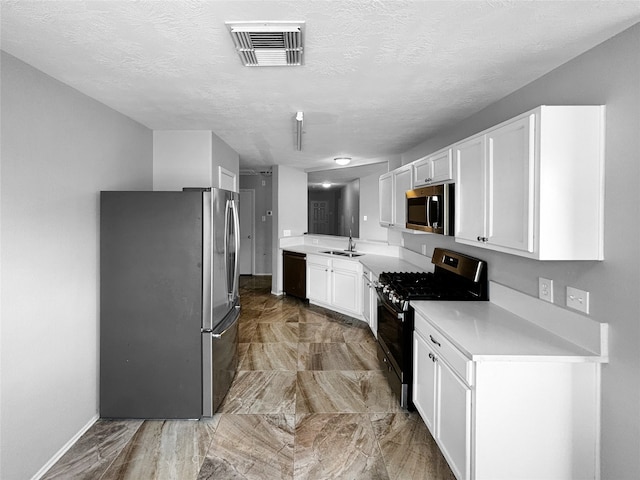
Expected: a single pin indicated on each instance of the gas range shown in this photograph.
(455, 277)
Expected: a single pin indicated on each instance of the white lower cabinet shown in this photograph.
(335, 284)
(370, 300)
(505, 419)
(444, 403)
(454, 418)
(318, 279)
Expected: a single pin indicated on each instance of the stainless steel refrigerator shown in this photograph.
(169, 302)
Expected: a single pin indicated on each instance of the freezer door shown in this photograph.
(220, 361)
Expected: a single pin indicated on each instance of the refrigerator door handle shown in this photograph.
(236, 237)
(216, 334)
(227, 209)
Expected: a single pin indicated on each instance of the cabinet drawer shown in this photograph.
(348, 265)
(319, 260)
(444, 349)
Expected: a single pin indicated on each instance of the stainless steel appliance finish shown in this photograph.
(455, 277)
(431, 209)
(168, 302)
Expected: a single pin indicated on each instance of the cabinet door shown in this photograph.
(442, 166)
(453, 431)
(366, 299)
(317, 282)
(386, 199)
(510, 186)
(345, 291)
(424, 381)
(422, 172)
(374, 306)
(403, 181)
(470, 189)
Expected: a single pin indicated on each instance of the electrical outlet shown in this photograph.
(286, 233)
(264, 218)
(315, 241)
(424, 249)
(545, 289)
(365, 218)
(578, 299)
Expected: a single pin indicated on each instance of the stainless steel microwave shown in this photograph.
(431, 209)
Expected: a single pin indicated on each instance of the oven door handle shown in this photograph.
(398, 315)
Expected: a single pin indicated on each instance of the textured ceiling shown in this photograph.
(378, 78)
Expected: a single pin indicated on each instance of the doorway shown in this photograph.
(247, 233)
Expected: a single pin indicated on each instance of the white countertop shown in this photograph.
(484, 331)
(376, 263)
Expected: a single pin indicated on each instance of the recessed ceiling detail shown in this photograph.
(268, 44)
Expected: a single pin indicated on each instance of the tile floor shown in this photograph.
(308, 402)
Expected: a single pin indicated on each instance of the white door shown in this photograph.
(247, 247)
(386, 199)
(510, 186)
(317, 282)
(402, 181)
(424, 381)
(470, 189)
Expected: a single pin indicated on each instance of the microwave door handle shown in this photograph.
(438, 204)
(428, 210)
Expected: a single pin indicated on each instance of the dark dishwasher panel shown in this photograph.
(294, 274)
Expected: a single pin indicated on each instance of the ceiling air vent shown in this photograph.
(268, 44)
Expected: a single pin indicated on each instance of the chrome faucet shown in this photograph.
(351, 246)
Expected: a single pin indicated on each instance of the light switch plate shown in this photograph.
(545, 289)
(578, 299)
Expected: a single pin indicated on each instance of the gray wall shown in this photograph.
(290, 213)
(370, 228)
(59, 149)
(263, 230)
(350, 214)
(609, 74)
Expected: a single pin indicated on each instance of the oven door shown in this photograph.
(391, 333)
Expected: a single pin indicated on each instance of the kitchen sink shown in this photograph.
(343, 253)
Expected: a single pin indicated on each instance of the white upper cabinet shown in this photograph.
(393, 202)
(533, 186)
(386, 199)
(470, 189)
(436, 168)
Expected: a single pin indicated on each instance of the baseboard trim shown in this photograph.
(45, 468)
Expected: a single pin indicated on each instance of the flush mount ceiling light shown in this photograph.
(326, 184)
(299, 122)
(268, 44)
(342, 160)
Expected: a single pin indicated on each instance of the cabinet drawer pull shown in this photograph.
(433, 357)
(435, 341)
